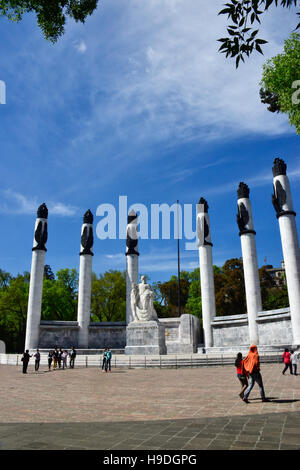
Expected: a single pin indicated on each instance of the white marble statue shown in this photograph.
(142, 302)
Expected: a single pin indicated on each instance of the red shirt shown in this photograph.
(286, 357)
(240, 370)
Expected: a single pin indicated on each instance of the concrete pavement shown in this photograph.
(152, 409)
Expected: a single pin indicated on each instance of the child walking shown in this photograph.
(241, 374)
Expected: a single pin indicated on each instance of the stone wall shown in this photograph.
(182, 334)
(274, 330)
(65, 335)
(275, 327)
(110, 334)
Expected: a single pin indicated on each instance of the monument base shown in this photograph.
(145, 338)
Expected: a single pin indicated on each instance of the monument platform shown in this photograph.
(145, 338)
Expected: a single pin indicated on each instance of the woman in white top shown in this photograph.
(295, 356)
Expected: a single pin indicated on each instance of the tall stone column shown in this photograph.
(85, 280)
(132, 270)
(251, 274)
(283, 205)
(206, 271)
(36, 279)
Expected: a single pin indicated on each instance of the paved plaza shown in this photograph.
(147, 409)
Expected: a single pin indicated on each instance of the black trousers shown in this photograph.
(286, 366)
(36, 365)
(72, 360)
(25, 365)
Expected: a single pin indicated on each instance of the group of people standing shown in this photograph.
(57, 356)
(249, 368)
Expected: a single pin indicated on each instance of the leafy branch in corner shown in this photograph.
(242, 39)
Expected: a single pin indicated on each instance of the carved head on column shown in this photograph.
(204, 206)
(87, 237)
(243, 191)
(88, 217)
(132, 234)
(279, 167)
(41, 229)
(42, 212)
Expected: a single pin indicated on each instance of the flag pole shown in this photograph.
(178, 257)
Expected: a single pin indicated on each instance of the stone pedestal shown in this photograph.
(36, 279)
(206, 271)
(35, 300)
(132, 267)
(145, 338)
(85, 280)
(283, 204)
(84, 300)
(132, 277)
(250, 265)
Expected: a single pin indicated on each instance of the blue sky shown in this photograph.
(137, 102)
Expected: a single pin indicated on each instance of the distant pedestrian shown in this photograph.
(25, 359)
(50, 358)
(108, 359)
(252, 366)
(55, 358)
(72, 357)
(241, 374)
(104, 360)
(64, 358)
(59, 358)
(287, 361)
(294, 361)
(37, 360)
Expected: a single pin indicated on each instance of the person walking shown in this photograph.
(294, 361)
(287, 361)
(108, 359)
(25, 359)
(104, 360)
(50, 357)
(64, 358)
(37, 360)
(55, 358)
(241, 374)
(252, 367)
(59, 358)
(72, 357)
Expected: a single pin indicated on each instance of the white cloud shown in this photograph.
(164, 261)
(176, 86)
(261, 179)
(80, 46)
(16, 203)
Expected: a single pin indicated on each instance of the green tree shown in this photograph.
(169, 294)
(5, 279)
(281, 78)
(242, 39)
(59, 301)
(13, 312)
(108, 298)
(48, 273)
(230, 289)
(51, 14)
